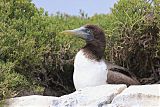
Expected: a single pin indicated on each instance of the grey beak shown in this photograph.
(79, 32)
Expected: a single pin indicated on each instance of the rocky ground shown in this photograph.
(99, 96)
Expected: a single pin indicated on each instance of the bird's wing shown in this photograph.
(119, 75)
(116, 68)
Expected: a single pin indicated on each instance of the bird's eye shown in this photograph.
(88, 30)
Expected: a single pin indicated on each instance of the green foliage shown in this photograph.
(30, 39)
(135, 39)
(35, 58)
(132, 33)
(10, 81)
(24, 35)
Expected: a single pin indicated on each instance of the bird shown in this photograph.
(90, 67)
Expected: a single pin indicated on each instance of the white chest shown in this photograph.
(88, 72)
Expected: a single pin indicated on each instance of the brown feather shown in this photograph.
(94, 50)
(119, 75)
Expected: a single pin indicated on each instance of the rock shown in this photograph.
(90, 96)
(31, 101)
(99, 96)
(138, 96)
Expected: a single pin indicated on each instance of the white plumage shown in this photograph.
(90, 69)
(88, 72)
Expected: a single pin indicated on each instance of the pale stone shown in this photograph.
(90, 96)
(100, 96)
(138, 96)
(31, 101)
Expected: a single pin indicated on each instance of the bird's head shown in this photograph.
(90, 33)
(95, 40)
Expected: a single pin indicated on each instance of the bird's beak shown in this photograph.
(79, 32)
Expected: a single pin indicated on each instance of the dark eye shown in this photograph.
(88, 31)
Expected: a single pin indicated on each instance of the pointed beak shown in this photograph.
(79, 32)
(70, 32)
(75, 32)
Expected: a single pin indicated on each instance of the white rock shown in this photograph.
(31, 101)
(138, 96)
(99, 96)
(90, 96)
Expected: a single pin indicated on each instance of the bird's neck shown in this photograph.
(94, 51)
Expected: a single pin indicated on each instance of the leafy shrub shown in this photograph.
(36, 59)
(134, 29)
(10, 80)
(30, 39)
(24, 35)
(132, 34)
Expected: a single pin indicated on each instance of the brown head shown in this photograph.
(95, 40)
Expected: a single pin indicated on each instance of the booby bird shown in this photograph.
(90, 67)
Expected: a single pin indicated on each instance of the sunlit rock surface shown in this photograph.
(99, 96)
(138, 96)
(31, 101)
(91, 96)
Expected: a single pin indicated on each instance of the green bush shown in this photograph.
(35, 58)
(11, 81)
(136, 33)
(132, 34)
(30, 39)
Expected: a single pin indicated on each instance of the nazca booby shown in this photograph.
(90, 67)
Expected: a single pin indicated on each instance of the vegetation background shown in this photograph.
(36, 59)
